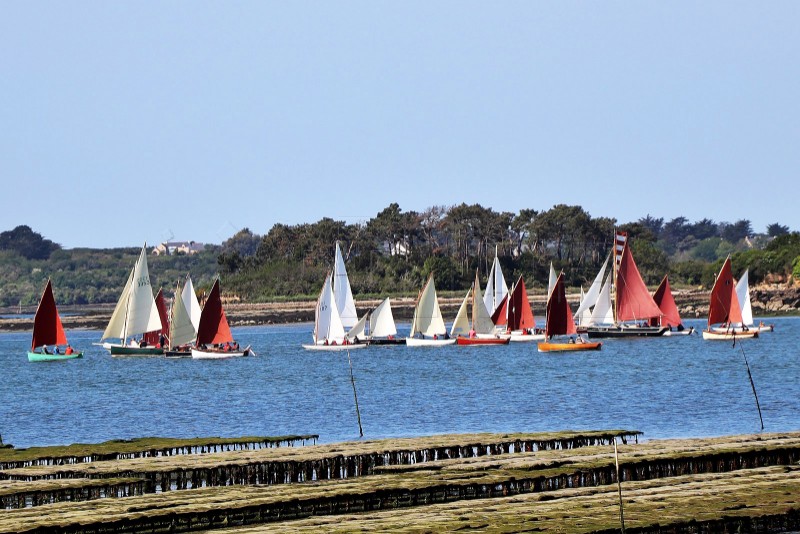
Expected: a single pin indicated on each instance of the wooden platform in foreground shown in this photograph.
(740, 482)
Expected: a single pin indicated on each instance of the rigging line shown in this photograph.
(355, 395)
(752, 384)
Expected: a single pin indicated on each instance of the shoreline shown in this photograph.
(767, 301)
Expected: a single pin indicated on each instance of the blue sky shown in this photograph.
(131, 121)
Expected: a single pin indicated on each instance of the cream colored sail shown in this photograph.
(427, 316)
(381, 321)
(189, 298)
(342, 292)
(585, 316)
(182, 331)
(590, 298)
(481, 321)
(359, 330)
(461, 324)
(743, 294)
(603, 312)
(551, 283)
(136, 306)
(496, 288)
(328, 325)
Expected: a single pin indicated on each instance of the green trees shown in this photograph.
(27, 243)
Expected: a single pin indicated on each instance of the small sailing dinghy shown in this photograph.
(328, 329)
(479, 331)
(517, 316)
(428, 323)
(184, 320)
(561, 323)
(47, 330)
(724, 312)
(214, 339)
(377, 327)
(135, 314)
(743, 293)
(671, 317)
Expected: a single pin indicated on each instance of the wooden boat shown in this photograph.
(47, 330)
(135, 314)
(724, 311)
(376, 327)
(670, 317)
(634, 307)
(560, 322)
(183, 323)
(214, 339)
(328, 329)
(478, 330)
(428, 323)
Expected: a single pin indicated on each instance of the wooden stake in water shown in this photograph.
(355, 395)
(619, 488)
(752, 385)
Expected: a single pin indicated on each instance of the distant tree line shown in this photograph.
(393, 253)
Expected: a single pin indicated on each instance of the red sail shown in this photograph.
(666, 303)
(724, 305)
(500, 315)
(47, 329)
(634, 302)
(213, 327)
(520, 315)
(559, 314)
(154, 338)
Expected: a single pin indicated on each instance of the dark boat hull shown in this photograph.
(626, 331)
(395, 341)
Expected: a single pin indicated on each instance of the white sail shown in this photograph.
(182, 331)
(342, 293)
(743, 294)
(359, 330)
(590, 298)
(481, 321)
(328, 325)
(585, 316)
(427, 315)
(116, 325)
(461, 324)
(381, 321)
(603, 312)
(189, 298)
(551, 283)
(496, 288)
(136, 311)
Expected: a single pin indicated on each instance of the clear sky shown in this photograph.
(122, 122)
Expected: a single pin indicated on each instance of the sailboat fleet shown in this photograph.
(617, 304)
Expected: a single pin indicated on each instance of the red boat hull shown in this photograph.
(481, 341)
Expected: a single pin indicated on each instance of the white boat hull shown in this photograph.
(427, 342)
(521, 338)
(198, 354)
(687, 332)
(337, 347)
(728, 336)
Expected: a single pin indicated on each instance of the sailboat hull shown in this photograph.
(481, 341)
(569, 347)
(521, 338)
(417, 342)
(626, 331)
(728, 336)
(39, 357)
(199, 354)
(124, 350)
(338, 347)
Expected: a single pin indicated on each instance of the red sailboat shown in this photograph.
(724, 312)
(214, 338)
(670, 317)
(561, 323)
(634, 308)
(516, 315)
(159, 338)
(47, 330)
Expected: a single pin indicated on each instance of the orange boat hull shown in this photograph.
(569, 347)
(482, 341)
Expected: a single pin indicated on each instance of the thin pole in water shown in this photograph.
(619, 487)
(355, 395)
(752, 384)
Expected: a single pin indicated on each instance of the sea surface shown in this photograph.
(667, 387)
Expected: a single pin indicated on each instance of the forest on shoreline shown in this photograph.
(393, 253)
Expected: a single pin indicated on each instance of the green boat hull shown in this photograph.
(39, 357)
(135, 351)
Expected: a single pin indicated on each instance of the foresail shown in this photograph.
(427, 315)
(381, 321)
(214, 328)
(189, 298)
(520, 315)
(551, 282)
(666, 303)
(496, 288)
(342, 292)
(603, 312)
(142, 313)
(743, 294)
(724, 304)
(359, 330)
(116, 325)
(329, 325)
(589, 300)
(182, 331)
(481, 321)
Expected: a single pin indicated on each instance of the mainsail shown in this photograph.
(666, 303)
(189, 298)
(589, 300)
(551, 282)
(342, 292)
(328, 325)
(381, 321)
(496, 288)
(603, 311)
(634, 302)
(154, 337)
(427, 315)
(743, 294)
(213, 327)
(136, 311)
(724, 305)
(559, 314)
(47, 328)
(520, 315)
(461, 324)
(182, 330)
(481, 321)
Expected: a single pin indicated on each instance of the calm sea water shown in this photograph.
(670, 387)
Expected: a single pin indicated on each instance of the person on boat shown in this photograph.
(69, 350)
(236, 346)
(472, 333)
(56, 350)
(162, 340)
(326, 342)
(44, 349)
